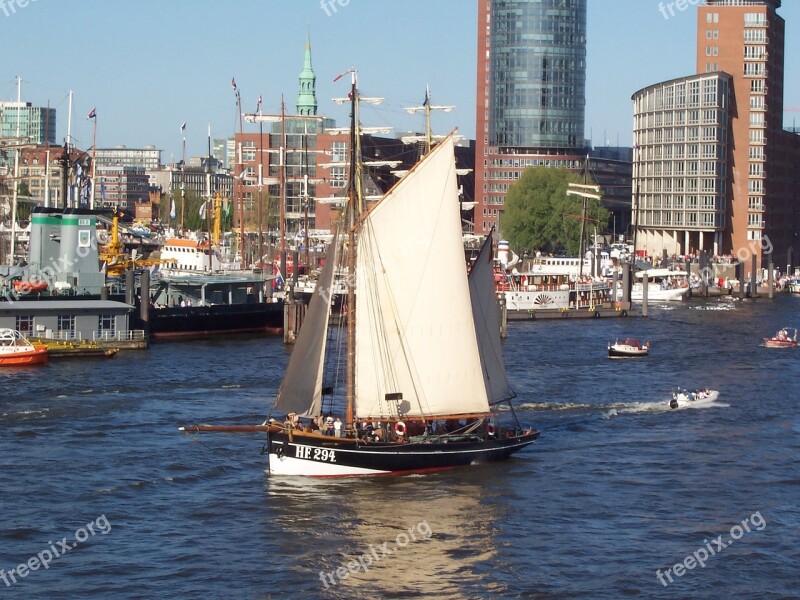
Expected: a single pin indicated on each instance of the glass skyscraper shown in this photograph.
(531, 95)
(38, 124)
(538, 73)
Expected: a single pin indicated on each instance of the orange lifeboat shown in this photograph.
(30, 287)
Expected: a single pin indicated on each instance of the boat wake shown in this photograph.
(616, 408)
(661, 406)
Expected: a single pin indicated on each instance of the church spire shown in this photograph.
(307, 97)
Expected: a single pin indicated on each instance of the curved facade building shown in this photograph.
(538, 73)
(681, 156)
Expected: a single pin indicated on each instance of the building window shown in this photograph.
(754, 69)
(755, 35)
(755, 19)
(107, 326)
(66, 326)
(339, 152)
(754, 220)
(338, 177)
(24, 324)
(755, 52)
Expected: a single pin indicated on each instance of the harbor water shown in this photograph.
(102, 497)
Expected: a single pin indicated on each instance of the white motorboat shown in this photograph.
(663, 285)
(628, 348)
(693, 399)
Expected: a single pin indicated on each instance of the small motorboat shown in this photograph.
(785, 338)
(628, 348)
(15, 349)
(693, 399)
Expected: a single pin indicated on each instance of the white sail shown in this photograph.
(487, 324)
(415, 334)
(301, 389)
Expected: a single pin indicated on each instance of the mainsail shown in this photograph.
(415, 334)
(301, 390)
(486, 312)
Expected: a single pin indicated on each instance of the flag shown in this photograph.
(427, 96)
(258, 105)
(183, 127)
(203, 210)
(92, 114)
(103, 189)
(233, 83)
(172, 213)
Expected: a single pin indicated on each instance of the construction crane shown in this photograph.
(113, 254)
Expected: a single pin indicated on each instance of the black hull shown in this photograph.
(218, 319)
(622, 354)
(320, 456)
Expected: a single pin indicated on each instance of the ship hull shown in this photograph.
(37, 355)
(320, 456)
(226, 319)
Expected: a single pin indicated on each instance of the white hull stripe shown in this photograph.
(285, 465)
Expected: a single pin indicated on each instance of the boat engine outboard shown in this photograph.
(674, 402)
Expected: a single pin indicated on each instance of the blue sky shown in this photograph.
(149, 65)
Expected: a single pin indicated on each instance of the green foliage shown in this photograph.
(539, 215)
(191, 212)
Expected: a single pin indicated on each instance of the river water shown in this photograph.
(97, 482)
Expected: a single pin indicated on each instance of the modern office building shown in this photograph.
(681, 157)
(121, 187)
(148, 157)
(748, 197)
(224, 150)
(36, 123)
(531, 95)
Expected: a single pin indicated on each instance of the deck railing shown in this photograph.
(131, 335)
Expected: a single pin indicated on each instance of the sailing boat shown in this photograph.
(424, 363)
(428, 364)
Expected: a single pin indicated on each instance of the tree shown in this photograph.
(539, 215)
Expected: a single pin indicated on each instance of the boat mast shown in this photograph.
(209, 204)
(241, 173)
(353, 213)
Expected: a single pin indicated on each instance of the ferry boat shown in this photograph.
(531, 292)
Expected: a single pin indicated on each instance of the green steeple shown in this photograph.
(307, 97)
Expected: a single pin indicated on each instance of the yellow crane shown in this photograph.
(113, 253)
